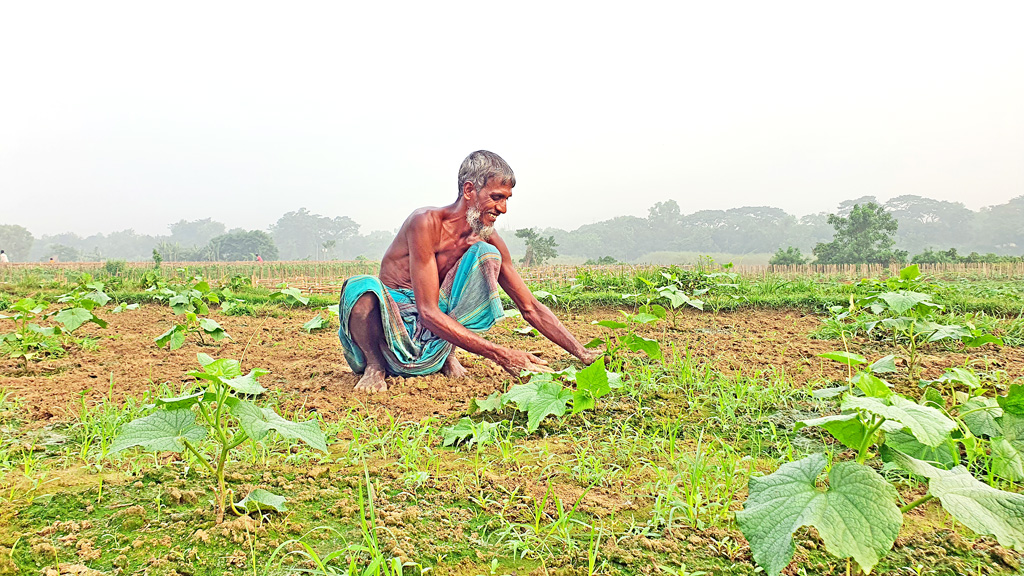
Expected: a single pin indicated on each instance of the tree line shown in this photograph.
(916, 225)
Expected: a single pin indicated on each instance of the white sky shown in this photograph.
(138, 114)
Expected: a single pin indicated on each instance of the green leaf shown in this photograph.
(655, 310)
(981, 340)
(73, 318)
(856, 517)
(981, 416)
(247, 384)
(225, 368)
(1013, 402)
(316, 323)
(175, 337)
(161, 431)
(595, 343)
(980, 507)
(610, 324)
(258, 422)
(259, 500)
(461, 430)
(910, 272)
(527, 331)
(884, 365)
(291, 296)
(902, 301)
(539, 398)
(593, 379)
(205, 359)
(186, 401)
(846, 428)
(98, 296)
(1008, 448)
(212, 328)
(932, 397)
(466, 430)
(944, 455)
(545, 295)
(492, 403)
(871, 385)
(926, 424)
(638, 343)
(643, 318)
(847, 358)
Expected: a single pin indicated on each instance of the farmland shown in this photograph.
(874, 384)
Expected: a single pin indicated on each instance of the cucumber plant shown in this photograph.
(191, 301)
(857, 515)
(621, 335)
(544, 395)
(218, 412)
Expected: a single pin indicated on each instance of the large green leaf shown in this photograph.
(926, 423)
(981, 415)
(258, 422)
(610, 324)
(247, 384)
(591, 384)
(884, 365)
(225, 368)
(638, 343)
(467, 430)
(846, 428)
(1008, 449)
(175, 337)
(902, 301)
(1013, 402)
(539, 398)
(316, 323)
(259, 500)
(856, 517)
(945, 455)
(492, 403)
(73, 318)
(213, 329)
(980, 507)
(178, 402)
(847, 358)
(871, 385)
(161, 431)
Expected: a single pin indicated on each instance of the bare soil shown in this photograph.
(309, 369)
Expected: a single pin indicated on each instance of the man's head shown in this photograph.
(481, 166)
(485, 184)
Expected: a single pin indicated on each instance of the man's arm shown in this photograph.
(536, 314)
(423, 270)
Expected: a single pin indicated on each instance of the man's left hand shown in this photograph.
(589, 356)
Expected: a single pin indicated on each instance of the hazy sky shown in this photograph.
(138, 114)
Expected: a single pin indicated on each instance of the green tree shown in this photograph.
(863, 237)
(302, 235)
(238, 245)
(63, 253)
(791, 256)
(538, 248)
(196, 232)
(16, 241)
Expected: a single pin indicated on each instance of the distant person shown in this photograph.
(53, 259)
(438, 287)
(259, 258)
(3, 257)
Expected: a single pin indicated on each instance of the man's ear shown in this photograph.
(468, 191)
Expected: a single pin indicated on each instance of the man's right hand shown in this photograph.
(515, 361)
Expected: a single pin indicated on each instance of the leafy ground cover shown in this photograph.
(643, 472)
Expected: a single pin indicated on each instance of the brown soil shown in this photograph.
(309, 370)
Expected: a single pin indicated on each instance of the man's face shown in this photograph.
(488, 203)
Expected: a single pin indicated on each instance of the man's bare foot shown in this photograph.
(452, 368)
(372, 380)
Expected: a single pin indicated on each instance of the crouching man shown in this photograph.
(438, 287)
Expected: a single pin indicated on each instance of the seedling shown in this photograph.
(218, 413)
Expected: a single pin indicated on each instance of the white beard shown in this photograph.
(476, 224)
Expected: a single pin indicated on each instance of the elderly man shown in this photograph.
(438, 287)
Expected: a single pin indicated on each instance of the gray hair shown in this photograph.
(481, 166)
